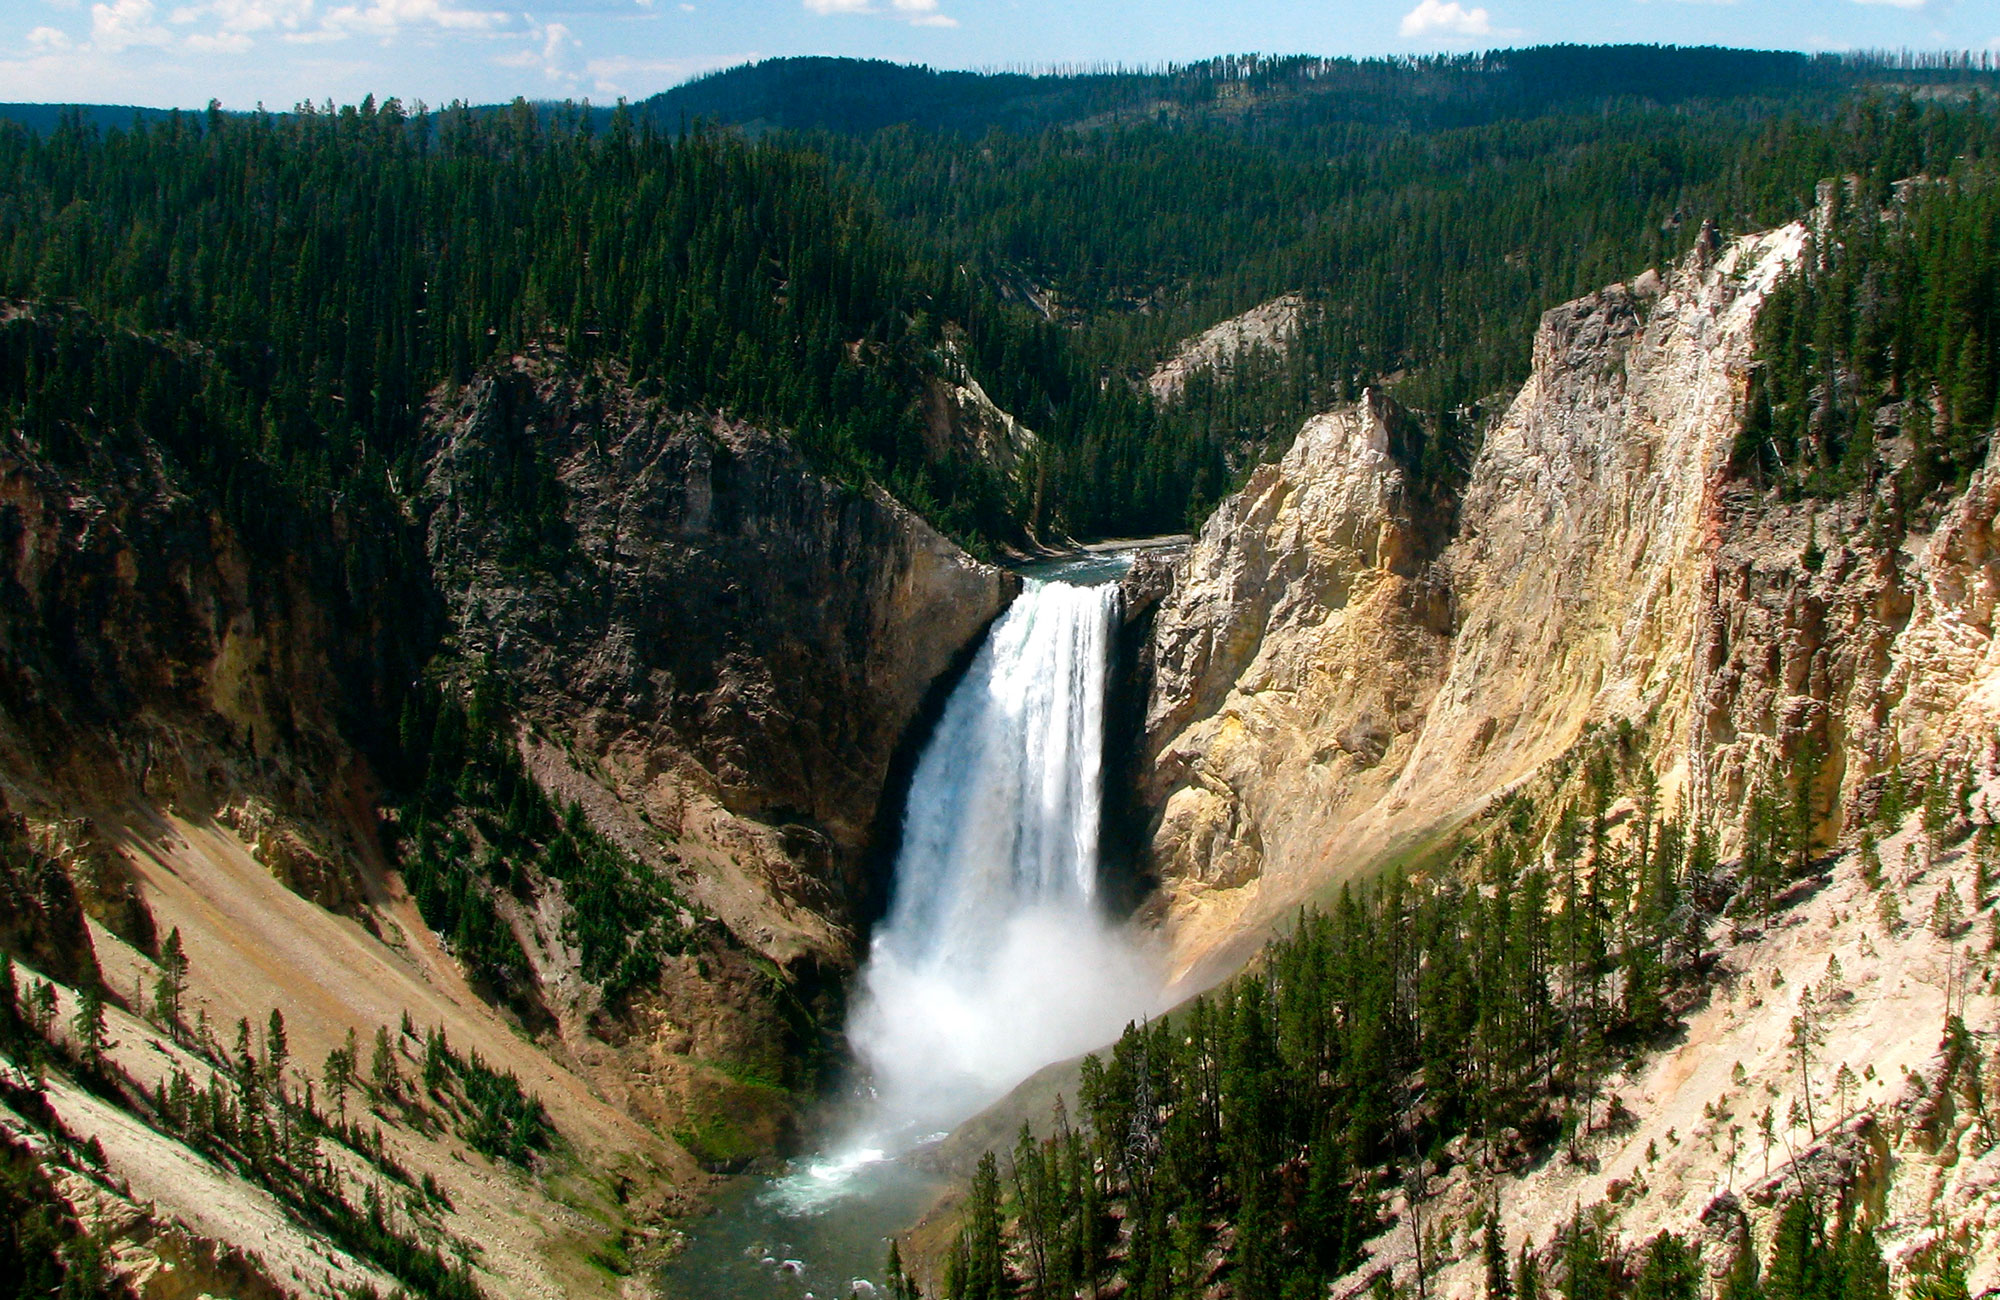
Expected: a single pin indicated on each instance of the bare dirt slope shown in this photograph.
(1680, 1142)
(253, 945)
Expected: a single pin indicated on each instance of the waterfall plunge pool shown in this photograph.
(995, 959)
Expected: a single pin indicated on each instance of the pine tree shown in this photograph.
(382, 1067)
(897, 1284)
(1743, 1281)
(277, 1051)
(169, 988)
(92, 1039)
(1668, 1271)
(985, 1269)
(1493, 1251)
(1528, 1272)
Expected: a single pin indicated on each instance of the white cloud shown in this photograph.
(241, 17)
(125, 23)
(918, 13)
(549, 50)
(1899, 4)
(1431, 18)
(387, 17)
(49, 38)
(923, 13)
(218, 43)
(230, 25)
(631, 76)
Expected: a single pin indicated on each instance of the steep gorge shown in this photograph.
(716, 658)
(1348, 678)
(1346, 673)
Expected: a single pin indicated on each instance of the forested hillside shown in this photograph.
(334, 268)
(1427, 92)
(1426, 212)
(1888, 339)
(1425, 257)
(1478, 1019)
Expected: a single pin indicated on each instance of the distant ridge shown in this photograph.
(43, 118)
(858, 96)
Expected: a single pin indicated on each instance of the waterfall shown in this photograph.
(995, 958)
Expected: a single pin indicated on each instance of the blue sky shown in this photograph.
(278, 52)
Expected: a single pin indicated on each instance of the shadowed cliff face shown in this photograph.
(731, 644)
(710, 647)
(149, 655)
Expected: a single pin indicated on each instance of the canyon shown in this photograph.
(723, 663)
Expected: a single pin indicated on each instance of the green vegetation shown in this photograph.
(335, 268)
(243, 1107)
(43, 1251)
(1425, 255)
(471, 785)
(1468, 1014)
(820, 278)
(1890, 328)
(496, 1116)
(1273, 93)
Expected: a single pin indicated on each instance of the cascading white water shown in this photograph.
(995, 958)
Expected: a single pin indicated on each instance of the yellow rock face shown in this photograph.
(1345, 672)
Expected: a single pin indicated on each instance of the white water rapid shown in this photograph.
(996, 957)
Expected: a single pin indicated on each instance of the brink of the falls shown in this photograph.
(996, 957)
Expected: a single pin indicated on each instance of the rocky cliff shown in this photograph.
(1345, 679)
(1342, 680)
(717, 654)
(729, 645)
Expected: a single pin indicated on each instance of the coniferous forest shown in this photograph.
(1466, 1013)
(814, 280)
(265, 313)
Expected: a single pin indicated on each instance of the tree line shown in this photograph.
(1465, 1012)
(326, 271)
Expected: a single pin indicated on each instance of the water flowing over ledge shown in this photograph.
(996, 957)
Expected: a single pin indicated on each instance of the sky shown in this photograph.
(183, 53)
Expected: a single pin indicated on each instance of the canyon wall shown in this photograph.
(717, 653)
(1344, 677)
(729, 645)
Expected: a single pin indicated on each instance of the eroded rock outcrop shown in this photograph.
(1340, 682)
(1607, 566)
(1301, 644)
(1269, 327)
(731, 646)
